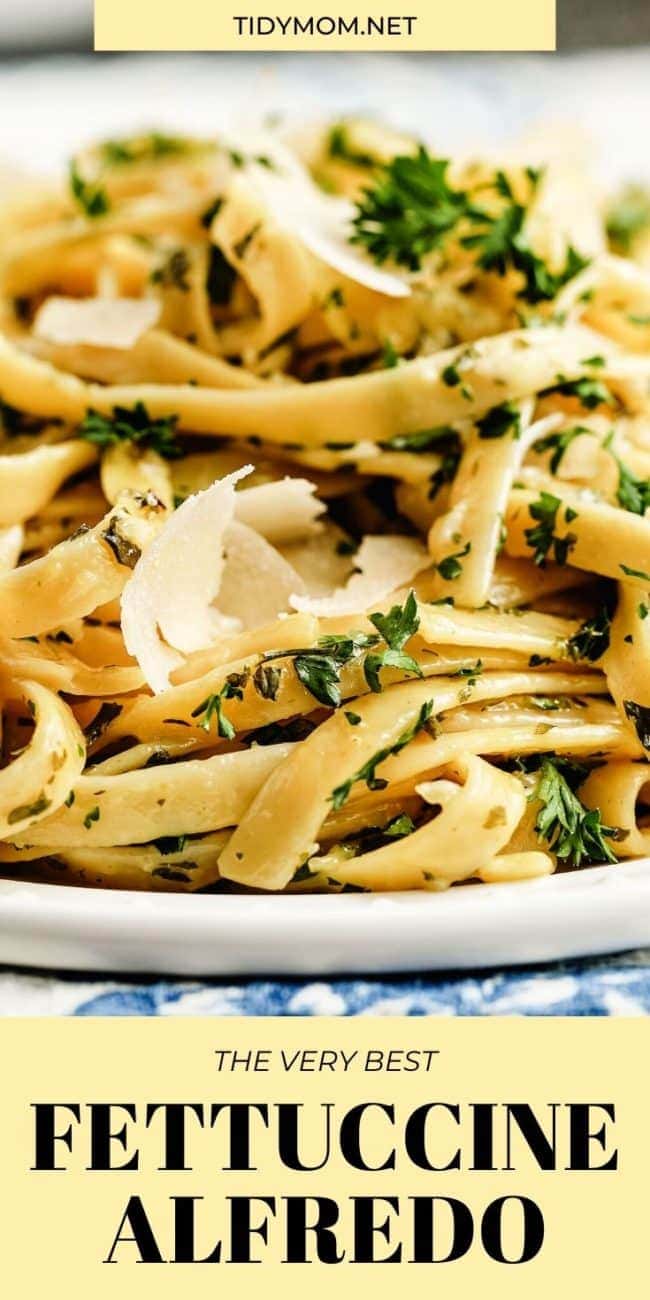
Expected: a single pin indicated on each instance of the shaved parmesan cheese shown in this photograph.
(96, 322)
(284, 511)
(324, 562)
(383, 564)
(167, 604)
(322, 222)
(257, 582)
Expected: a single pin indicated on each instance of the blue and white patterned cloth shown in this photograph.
(618, 986)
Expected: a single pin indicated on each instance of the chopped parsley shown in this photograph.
(319, 667)
(574, 833)
(558, 443)
(125, 551)
(634, 573)
(145, 148)
(628, 217)
(500, 421)
(411, 210)
(450, 568)
(172, 273)
(170, 844)
(132, 424)
(106, 714)
(367, 772)
(592, 638)
(220, 279)
(90, 195)
(396, 628)
(335, 298)
(34, 809)
(542, 538)
(389, 355)
(442, 439)
(92, 816)
(589, 392)
(632, 493)
(639, 714)
(212, 707)
(399, 827)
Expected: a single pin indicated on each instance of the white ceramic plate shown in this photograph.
(603, 909)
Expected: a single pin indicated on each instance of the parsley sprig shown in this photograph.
(575, 834)
(319, 667)
(132, 424)
(212, 707)
(411, 209)
(397, 627)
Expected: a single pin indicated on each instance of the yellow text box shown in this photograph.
(341, 25)
(80, 1094)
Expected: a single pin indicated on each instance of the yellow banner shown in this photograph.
(339, 25)
(237, 1157)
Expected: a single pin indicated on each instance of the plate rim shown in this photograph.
(567, 915)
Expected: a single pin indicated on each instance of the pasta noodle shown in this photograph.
(324, 534)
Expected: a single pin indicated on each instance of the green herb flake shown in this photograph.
(541, 538)
(639, 714)
(574, 833)
(132, 425)
(500, 421)
(90, 195)
(592, 638)
(450, 568)
(634, 573)
(212, 707)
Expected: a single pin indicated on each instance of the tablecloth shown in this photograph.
(618, 985)
(454, 101)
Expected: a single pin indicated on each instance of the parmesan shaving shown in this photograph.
(96, 322)
(382, 565)
(257, 582)
(282, 512)
(167, 604)
(321, 221)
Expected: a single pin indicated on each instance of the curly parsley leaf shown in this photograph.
(135, 425)
(542, 537)
(575, 834)
(399, 624)
(410, 210)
